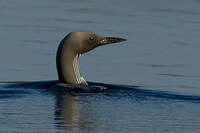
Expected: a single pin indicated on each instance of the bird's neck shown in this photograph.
(68, 67)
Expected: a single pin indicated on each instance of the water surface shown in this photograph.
(160, 56)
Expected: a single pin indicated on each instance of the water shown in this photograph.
(160, 56)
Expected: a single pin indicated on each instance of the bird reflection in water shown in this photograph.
(69, 115)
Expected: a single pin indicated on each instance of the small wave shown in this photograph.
(12, 93)
(114, 90)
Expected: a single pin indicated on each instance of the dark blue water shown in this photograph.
(152, 79)
(39, 107)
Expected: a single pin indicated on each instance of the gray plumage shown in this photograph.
(70, 49)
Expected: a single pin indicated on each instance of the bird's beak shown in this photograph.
(109, 40)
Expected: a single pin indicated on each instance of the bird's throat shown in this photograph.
(79, 79)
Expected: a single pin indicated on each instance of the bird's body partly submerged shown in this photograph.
(69, 51)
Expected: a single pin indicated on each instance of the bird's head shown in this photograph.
(84, 41)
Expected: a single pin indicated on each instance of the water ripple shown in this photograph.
(179, 75)
(178, 11)
(162, 65)
(119, 91)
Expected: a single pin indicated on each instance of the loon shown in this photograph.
(71, 48)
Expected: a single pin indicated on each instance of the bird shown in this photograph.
(71, 48)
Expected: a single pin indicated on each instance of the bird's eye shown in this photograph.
(91, 38)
